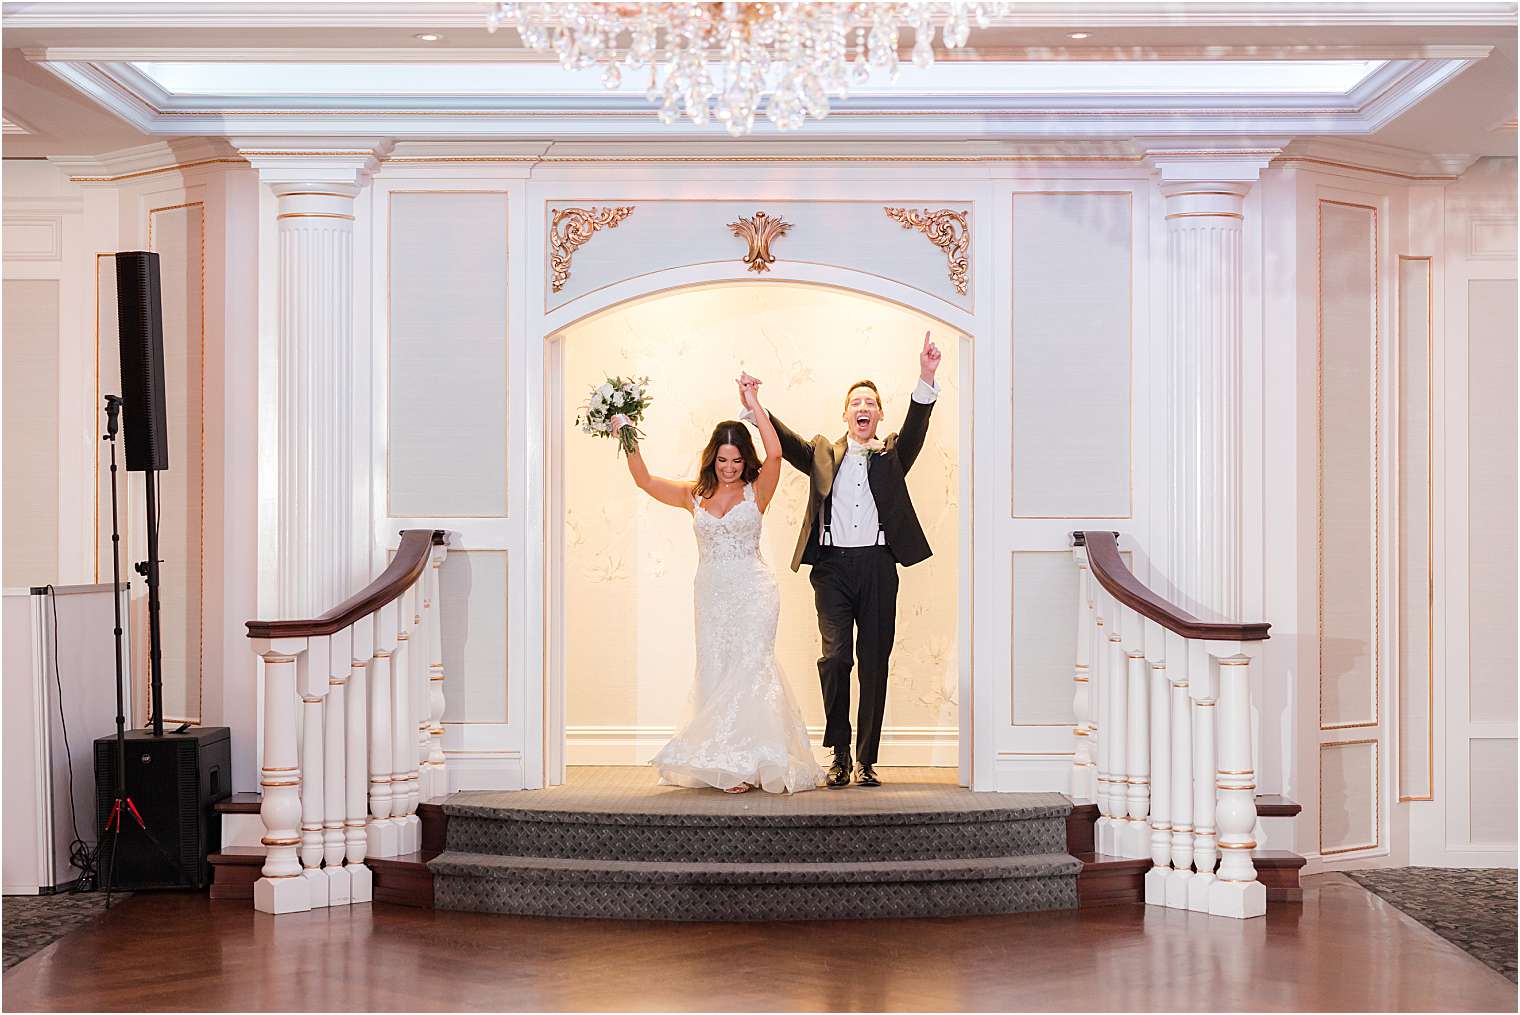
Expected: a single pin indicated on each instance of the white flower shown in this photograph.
(617, 399)
(605, 391)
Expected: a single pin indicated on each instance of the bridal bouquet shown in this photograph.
(616, 396)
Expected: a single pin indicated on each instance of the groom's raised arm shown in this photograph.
(797, 452)
(910, 439)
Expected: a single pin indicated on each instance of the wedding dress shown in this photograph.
(747, 727)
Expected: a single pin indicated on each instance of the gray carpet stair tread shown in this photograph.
(920, 803)
(483, 865)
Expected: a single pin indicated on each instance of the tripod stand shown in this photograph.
(122, 803)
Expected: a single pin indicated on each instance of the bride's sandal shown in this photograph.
(743, 787)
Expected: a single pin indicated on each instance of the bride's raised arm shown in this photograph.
(667, 491)
(770, 470)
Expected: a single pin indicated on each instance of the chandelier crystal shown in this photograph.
(725, 61)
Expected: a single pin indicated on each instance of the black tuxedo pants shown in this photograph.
(855, 590)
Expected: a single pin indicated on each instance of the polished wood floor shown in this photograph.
(1341, 949)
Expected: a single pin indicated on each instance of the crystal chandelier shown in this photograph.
(723, 61)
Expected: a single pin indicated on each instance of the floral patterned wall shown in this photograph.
(630, 560)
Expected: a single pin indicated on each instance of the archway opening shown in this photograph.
(622, 565)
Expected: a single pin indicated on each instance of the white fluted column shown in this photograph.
(1205, 207)
(317, 568)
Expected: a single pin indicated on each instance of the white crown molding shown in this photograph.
(339, 158)
(1029, 13)
(12, 125)
(289, 54)
(1369, 157)
(1394, 89)
(143, 160)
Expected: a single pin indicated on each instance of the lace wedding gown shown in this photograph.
(747, 727)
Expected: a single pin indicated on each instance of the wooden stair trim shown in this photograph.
(239, 803)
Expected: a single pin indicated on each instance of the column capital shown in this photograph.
(314, 161)
(1184, 162)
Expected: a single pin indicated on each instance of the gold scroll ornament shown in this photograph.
(947, 230)
(570, 229)
(759, 232)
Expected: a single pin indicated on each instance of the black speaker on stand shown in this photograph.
(155, 799)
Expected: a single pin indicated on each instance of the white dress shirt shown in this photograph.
(855, 521)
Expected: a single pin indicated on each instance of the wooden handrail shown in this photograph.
(1115, 576)
(405, 567)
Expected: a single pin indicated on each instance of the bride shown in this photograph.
(747, 731)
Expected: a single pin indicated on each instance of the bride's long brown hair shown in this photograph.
(733, 432)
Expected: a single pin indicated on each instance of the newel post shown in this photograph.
(281, 888)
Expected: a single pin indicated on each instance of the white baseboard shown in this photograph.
(485, 770)
(1028, 773)
(919, 746)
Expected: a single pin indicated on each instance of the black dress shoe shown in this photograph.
(839, 772)
(866, 775)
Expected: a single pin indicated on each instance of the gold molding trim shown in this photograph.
(571, 228)
(314, 215)
(759, 231)
(1376, 380)
(161, 169)
(946, 229)
(1206, 215)
(1377, 795)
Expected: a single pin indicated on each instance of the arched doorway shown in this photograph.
(618, 649)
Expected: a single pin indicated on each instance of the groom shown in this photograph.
(858, 527)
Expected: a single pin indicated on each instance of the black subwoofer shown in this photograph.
(174, 780)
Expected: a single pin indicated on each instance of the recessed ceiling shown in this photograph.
(1427, 76)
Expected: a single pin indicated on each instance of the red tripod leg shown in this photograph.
(115, 817)
(133, 808)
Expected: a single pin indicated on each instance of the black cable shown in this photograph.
(81, 854)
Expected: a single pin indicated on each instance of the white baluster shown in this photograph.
(312, 671)
(1137, 831)
(1161, 782)
(1205, 844)
(1237, 892)
(384, 831)
(437, 761)
(335, 770)
(356, 764)
(280, 889)
(422, 654)
(1081, 700)
(1101, 683)
(1118, 739)
(403, 731)
(1181, 730)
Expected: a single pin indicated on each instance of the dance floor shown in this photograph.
(1341, 949)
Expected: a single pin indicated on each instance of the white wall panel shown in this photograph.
(1416, 608)
(30, 373)
(669, 234)
(1044, 649)
(1349, 796)
(447, 430)
(178, 234)
(473, 593)
(1072, 308)
(1348, 520)
(1492, 764)
(1492, 329)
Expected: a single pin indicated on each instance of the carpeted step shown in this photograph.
(632, 889)
(828, 830)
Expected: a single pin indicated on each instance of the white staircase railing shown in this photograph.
(1163, 737)
(353, 733)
